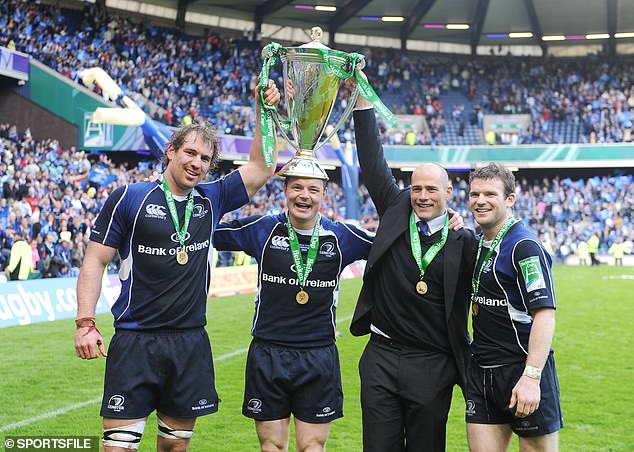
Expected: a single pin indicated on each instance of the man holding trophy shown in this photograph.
(293, 363)
(414, 303)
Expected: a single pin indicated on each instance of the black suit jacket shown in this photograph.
(394, 207)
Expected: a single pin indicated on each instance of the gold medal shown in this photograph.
(182, 257)
(302, 297)
(475, 308)
(421, 287)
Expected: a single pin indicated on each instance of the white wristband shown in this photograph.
(532, 372)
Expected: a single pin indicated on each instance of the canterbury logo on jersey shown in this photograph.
(279, 242)
(155, 211)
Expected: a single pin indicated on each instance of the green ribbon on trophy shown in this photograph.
(270, 52)
(364, 86)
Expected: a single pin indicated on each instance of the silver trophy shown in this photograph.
(312, 76)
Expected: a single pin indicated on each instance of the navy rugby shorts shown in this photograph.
(489, 394)
(283, 380)
(170, 371)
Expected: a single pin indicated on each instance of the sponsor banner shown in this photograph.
(238, 147)
(46, 300)
(354, 270)
(14, 64)
(233, 280)
(33, 301)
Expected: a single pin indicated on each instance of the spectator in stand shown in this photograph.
(21, 260)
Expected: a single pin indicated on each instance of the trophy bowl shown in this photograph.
(312, 77)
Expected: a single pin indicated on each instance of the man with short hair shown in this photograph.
(414, 303)
(160, 357)
(512, 382)
(293, 363)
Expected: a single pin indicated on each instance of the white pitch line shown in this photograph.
(75, 406)
(50, 414)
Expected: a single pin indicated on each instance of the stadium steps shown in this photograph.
(471, 134)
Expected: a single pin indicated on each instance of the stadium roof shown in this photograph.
(570, 24)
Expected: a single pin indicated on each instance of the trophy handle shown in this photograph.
(281, 127)
(346, 114)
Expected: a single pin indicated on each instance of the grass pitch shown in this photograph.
(46, 390)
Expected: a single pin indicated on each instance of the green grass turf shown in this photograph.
(40, 373)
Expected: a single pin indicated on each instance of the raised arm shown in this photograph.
(88, 340)
(255, 173)
(376, 172)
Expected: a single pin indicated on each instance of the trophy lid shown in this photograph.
(303, 166)
(316, 34)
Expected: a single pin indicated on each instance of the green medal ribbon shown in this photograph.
(271, 51)
(171, 206)
(475, 280)
(424, 261)
(303, 270)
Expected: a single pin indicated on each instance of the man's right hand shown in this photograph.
(89, 343)
(362, 102)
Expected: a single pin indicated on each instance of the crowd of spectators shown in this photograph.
(177, 77)
(49, 196)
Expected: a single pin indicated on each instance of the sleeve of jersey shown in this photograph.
(244, 234)
(356, 244)
(233, 193)
(110, 224)
(534, 276)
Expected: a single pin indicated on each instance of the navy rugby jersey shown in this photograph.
(278, 317)
(517, 283)
(156, 291)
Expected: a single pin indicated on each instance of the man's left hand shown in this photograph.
(456, 222)
(155, 175)
(526, 396)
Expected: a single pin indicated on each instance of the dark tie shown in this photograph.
(423, 228)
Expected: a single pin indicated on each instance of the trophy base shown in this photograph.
(304, 165)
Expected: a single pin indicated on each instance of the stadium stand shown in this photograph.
(177, 78)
